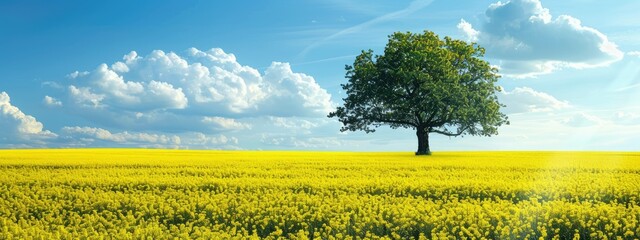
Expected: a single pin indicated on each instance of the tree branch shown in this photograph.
(393, 121)
(460, 132)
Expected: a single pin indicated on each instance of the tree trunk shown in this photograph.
(423, 142)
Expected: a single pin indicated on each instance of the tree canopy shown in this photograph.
(424, 83)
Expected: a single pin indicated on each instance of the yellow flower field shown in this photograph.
(159, 194)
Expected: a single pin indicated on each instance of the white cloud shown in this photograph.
(581, 130)
(133, 95)
(627, 118)
(51, 102)
(305, 143)
(84, 97)
(114, 85)
(77, 74)
(91, 134)
(51, 84)
(583, 119)
(467, 29)
(529, 41)
(164, 95)
(155, 99)
(292, 123)
(201, 140)
(528, 69)
(120, 67)
(166, 91)
(634, 53)
(294, 94)
(225, 123)
(524, 99)
(19, 128)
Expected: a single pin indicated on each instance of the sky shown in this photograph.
(263, 75)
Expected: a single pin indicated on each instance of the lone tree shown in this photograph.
(425, 83)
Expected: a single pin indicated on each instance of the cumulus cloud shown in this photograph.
(524, 99)
(528, 41)
(76, 74)
(204, 141)
(194, 91)
(467, 29)
(186, 100)
(294, 94)
(84, 97)
(90, 134)
(135, 95)
(292, 123)
(634, 53)
(225, 123)
(51, 102)
(77, 136)
(18, 127)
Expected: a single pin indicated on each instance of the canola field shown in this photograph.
(184, 194)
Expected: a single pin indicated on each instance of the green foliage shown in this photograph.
(425, 83)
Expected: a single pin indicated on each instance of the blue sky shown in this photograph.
(264, 74)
